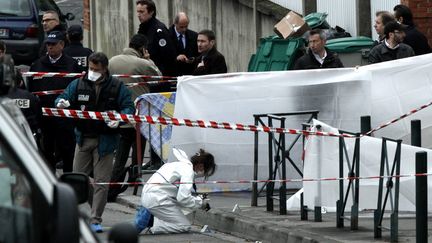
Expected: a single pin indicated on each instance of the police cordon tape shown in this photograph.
(91, 115)
(128, 118)
(399, 118)
(349, 178)
(59, 91)
(78, 75)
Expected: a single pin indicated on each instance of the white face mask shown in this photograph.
(93, 76)
(199, 174)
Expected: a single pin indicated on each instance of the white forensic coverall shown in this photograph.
(165, 200)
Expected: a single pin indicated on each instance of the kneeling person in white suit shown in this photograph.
(165, 200)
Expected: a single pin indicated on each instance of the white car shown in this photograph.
(34, 205)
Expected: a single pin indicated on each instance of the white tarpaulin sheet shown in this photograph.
(322, 161)
(384, 91)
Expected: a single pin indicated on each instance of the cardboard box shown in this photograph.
(292, 25)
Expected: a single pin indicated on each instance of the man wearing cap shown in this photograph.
(392, 47)
(75, 49)
(57, 133)
(160, 45)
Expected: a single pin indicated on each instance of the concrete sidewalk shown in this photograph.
(255, 223)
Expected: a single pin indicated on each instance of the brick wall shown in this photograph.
(422, 11)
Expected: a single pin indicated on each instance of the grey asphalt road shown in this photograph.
(72, 6)
(116, 213)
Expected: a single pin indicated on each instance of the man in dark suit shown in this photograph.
(185, 44)
(210, 60)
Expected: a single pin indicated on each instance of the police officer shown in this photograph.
(57, 133)
(160, 45)
(75, 49)
(28, 103)
(7, 84)
(96, 140)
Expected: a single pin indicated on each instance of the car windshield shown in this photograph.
(45, 5)
(18, 8)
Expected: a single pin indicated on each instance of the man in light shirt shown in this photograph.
(317, 55)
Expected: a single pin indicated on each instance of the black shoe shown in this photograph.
(112, 197)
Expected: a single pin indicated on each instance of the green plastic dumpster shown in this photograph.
(353, 51)
(276, 54)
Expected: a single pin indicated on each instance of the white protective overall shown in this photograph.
(166, 200)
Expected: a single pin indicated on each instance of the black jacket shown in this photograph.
(214, 62)
(190, 50)
(417, 41)
(80, 53)
(29, 105)
(160, 45)
(381, 53)
(64, 64)
(308, 61)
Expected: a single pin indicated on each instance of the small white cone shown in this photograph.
(236, 208)
(205, 229)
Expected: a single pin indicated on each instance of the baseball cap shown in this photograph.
(75, 30)
(54, 37)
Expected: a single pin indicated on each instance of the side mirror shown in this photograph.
(80, 184)
(70, 16)
(123, 233)
(66, 222)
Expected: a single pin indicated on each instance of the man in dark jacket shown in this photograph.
(210, 60)
(318, 56)
(413, 37)
(57, 133)
(28, 103)
(160, 45)
(96, 140)
(392, 47)
(75, 49)
(50, 23)
(185, 42)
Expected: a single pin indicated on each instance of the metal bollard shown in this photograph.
(421, 198)
(365, 124)
(416, 133)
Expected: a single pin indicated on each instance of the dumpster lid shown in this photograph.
(349, 44)
(317, 20)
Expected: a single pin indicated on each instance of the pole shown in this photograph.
(365, 124)
(416, 133)
(421, 198)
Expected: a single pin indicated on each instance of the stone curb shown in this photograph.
(248, 228)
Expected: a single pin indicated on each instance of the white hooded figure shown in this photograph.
(169, 190)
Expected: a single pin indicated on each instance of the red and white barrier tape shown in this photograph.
(266, 181)
(113, 116)
(204, 124)
(59, 91)
(78, 75)
(399, 118)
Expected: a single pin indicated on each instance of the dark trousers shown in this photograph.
(58, 141)
(127, 141)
